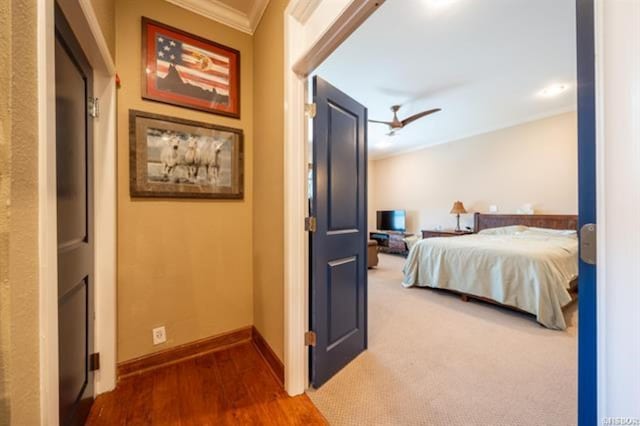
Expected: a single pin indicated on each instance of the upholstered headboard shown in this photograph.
(550, 221)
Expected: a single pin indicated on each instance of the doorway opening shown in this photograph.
(62, 386)
(394, 181)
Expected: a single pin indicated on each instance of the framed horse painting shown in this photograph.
(171, 157)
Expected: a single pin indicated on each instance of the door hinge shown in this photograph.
(94, 361)
(310, 224)
(93, 105)
(310, 338)
(310, 110)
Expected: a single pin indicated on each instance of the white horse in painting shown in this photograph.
(212, 162)
(169, 156)
(192, 159)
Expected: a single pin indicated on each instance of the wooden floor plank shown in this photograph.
(139, 401)
(164, 403)
(236, 395)
(195, 409)
(229, 387)
(211, 387)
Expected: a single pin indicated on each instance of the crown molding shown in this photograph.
(255, 15)
(227, 15)
(302, 10)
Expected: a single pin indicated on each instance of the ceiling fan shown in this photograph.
(397, 124)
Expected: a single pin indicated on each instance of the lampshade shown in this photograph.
(458, 208)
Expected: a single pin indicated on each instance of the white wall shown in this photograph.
(619, 208)
(532, 163)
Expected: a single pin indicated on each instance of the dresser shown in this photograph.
(432, 233)
(391, 242)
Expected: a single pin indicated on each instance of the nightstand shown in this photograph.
(444, 233)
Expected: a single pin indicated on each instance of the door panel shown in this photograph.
(343, 296)
(343, 161)
(71, 157)
(339, 245)
(73, 377)
(75, 225)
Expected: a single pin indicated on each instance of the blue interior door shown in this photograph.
(587, 330)
(339, 244)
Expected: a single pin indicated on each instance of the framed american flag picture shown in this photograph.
(189, 71)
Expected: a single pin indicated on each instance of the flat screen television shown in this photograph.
(391, 220)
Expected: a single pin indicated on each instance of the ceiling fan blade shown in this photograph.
(418, 116)
(388, 123)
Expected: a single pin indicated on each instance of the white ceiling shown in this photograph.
(483, 62)
(243, 15)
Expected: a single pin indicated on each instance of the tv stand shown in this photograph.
(391, 241)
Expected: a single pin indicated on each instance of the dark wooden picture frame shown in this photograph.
(176, 158)
(189, 71)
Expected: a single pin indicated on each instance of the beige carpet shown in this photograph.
(435, 360)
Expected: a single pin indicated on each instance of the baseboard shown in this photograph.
(203, 346)
(186, 351)
(272, 360)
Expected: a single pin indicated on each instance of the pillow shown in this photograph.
(504, 230)
(411, 241)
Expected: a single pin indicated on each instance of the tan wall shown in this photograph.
(531, 163)
(371, 195)
(185, 264)
(106, 13)
(19, 349)
(5, 194)
(268, 220)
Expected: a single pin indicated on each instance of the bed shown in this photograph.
(524, 262)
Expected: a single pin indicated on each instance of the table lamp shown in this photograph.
(458, 209)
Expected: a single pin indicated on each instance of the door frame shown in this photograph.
(313, 30)
(85, 25)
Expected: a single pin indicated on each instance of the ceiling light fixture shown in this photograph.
(384, 143)
(553, 90)
(439, 4)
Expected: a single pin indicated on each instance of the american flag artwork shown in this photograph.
(188, 71)
(194, 65)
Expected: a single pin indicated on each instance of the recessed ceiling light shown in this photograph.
(553, 90)
(437, 4)
(384, 143)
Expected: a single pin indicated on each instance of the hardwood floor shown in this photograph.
(233, 386)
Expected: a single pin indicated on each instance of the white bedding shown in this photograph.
(529, 268)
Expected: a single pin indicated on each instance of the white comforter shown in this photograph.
(529, 268)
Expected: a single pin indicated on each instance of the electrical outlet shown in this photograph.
(159, 335)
